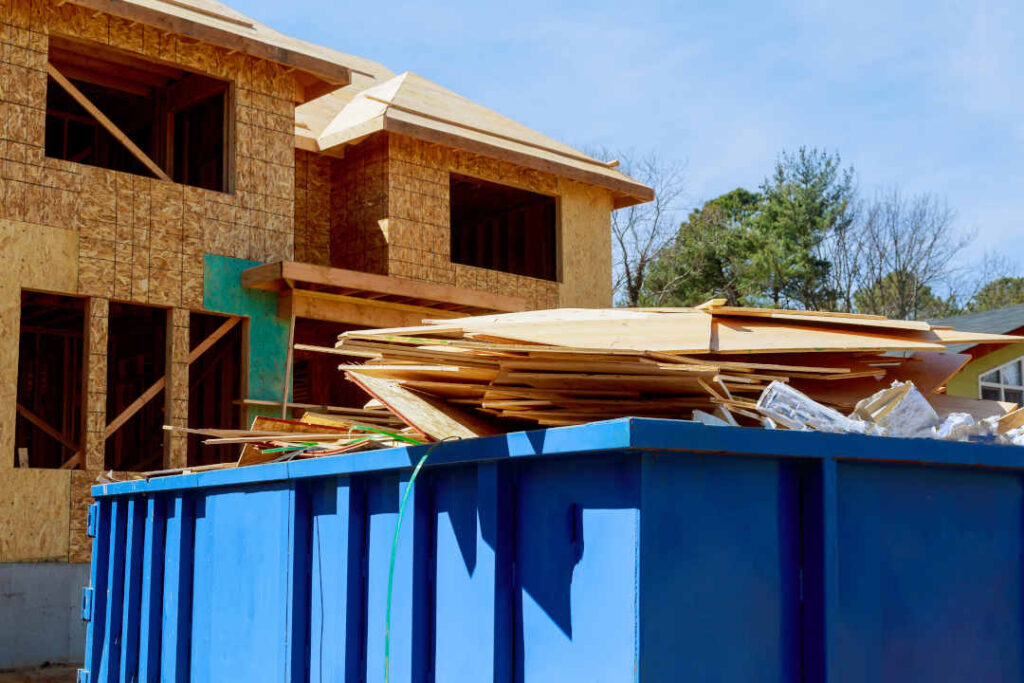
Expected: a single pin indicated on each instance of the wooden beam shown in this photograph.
(289, 361)
(268, 276)
(192, 89)
(347, 310)
(214, 337)
(111, 127)
(135, 407)
(115, 55)
(46, 428)
(158, 386)
(73, 462)
(105, 79)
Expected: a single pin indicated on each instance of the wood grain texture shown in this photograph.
(34, 515)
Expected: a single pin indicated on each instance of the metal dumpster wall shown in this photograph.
(633, 550)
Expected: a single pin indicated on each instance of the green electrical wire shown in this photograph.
(394, 551)
(393, 435)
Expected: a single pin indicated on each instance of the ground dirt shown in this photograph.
(52, 673)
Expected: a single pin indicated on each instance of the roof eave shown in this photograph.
(322, 75)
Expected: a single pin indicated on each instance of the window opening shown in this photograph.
(115, 110)
(214, 388)
(48, 427)
(503, 228)
(136, 359)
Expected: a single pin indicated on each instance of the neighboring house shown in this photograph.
(185, 195)
(994, 372)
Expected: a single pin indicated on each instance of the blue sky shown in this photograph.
(926, 95)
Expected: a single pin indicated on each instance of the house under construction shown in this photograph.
(189, 200)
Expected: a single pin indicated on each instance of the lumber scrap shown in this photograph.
(426, 416)
(578, 365)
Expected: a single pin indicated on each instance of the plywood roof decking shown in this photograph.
(322, 69)
(377, 288)
(411, 105)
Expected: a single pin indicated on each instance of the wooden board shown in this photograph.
(251, 455)
(678, 333)
(427, 416)
(734, 336)
(945, 404)
(34, 515)
(964, 337)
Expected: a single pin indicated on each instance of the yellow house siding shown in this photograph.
(966, 382)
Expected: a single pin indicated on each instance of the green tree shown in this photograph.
(709, 256)
(904, 296)
(1005, 291)
(807, 200)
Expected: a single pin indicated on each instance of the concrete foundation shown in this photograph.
(40, 613)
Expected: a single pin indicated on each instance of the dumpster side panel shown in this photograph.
(337, 570)
(576, 537)
(239, 627)
(719, 569)
(929, 574)
(465, 578)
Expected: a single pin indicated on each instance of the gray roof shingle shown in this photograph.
(996, 321)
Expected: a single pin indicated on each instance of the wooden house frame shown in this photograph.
(332, 206)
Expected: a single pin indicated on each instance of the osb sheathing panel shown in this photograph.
(359, 207)
(419, 230)
(34, 515)
(33, 257)
(586, 246)
(142, 240)
(312, 208)
(79, 543)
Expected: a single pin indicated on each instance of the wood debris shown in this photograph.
(497, 373)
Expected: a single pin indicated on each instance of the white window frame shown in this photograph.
(1000, 385)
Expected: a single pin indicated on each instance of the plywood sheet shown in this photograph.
(757, 336)
(79, 543)
(34, 515)
(429, 416)
(688, 332)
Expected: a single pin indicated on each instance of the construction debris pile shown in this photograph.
(714, 363)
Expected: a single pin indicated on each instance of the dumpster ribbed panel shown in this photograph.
(647, 550)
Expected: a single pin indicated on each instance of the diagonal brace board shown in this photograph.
(158, 386)
(51, 432)
(109, 125)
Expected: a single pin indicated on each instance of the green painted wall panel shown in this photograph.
(268, 334)
(966, 381)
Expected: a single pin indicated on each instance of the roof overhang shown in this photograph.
(314, 74)
(625, 193)
(366, 299)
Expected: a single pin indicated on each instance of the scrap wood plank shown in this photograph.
(1013, 420)
(735, 336)
(978, 408)
(251, 455)
(431, 417)
(690, 333)
(966, 337)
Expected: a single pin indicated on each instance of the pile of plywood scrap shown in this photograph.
(315, 435)
(492, 374)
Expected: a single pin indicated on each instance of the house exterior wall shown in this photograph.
(76, 229)
(390, 214)
(965, 383)
(105, 235)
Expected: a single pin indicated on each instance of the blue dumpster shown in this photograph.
(633, 549)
